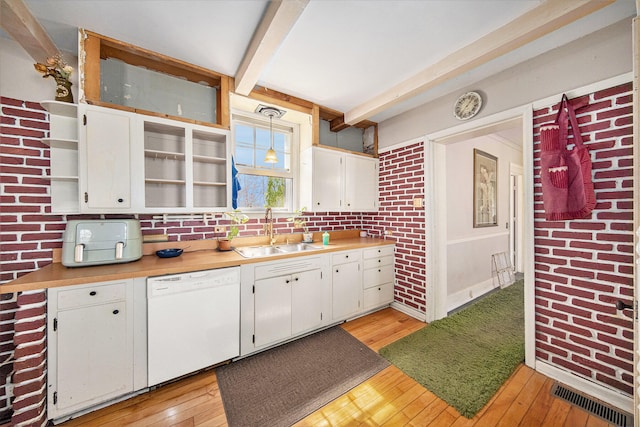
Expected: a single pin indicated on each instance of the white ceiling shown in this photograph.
(339, 54)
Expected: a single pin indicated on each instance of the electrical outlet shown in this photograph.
(388, 232)
(219, 229)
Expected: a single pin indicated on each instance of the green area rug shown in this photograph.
(466, 357)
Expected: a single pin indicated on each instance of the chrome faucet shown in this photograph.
(268, 225)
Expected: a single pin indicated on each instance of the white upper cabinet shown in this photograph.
(142, 164)
(63, 151)
(105, 159)
(185, 167)
(335, 181)
(361, 183)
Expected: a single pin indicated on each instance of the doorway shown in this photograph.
(448, 253)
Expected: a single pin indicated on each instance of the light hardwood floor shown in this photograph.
(389, 398)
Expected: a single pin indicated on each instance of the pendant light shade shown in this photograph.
(270, 112)
(271, 156)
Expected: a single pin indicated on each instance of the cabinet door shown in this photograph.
(361, 183)
(327, 180)
(94, 359)
(107, 160)
(306, 301)
(347, 290)
(272, 310)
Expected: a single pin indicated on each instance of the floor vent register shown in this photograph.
(601, 410)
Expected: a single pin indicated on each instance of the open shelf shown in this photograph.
(59, 108)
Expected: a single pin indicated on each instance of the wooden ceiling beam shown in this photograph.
(278, 20)
(543, 19)
(18, 21)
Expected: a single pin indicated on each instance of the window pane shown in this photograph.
(255, 189)
(263, 138)
(244, 134)
(244, 156)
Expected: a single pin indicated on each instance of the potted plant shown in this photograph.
(236, 217)
(299, 221)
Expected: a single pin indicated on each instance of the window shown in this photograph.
(264, 184)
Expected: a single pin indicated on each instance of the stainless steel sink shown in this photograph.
(263, 251)
(296, 247)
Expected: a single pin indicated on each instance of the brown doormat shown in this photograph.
(283, 385)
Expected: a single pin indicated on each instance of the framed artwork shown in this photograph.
(485, 190)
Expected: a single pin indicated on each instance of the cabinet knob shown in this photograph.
(287, 281)
(379, 271)
(296, 279)
(93, 293)
(120, 200)
(337, 271)
(346, 256)
(116, 311)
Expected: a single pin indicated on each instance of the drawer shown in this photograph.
(378, 251)
(377, 276)
(92, 295)
(343, 257)
(378, 296)
(378, 262)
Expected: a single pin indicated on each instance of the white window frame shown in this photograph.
(255, 119)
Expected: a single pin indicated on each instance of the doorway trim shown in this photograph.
(435, 185)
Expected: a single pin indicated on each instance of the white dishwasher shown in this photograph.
(193, 321)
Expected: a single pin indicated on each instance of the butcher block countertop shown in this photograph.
(198, 255)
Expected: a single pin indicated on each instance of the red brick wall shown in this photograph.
(402, 179)
(29, 232)
(582, 267)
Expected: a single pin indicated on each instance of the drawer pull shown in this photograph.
(346, 256)
(287, 281)
(379, 271)
(93, 293)
(116, 311)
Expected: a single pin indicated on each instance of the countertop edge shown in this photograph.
(57, 275)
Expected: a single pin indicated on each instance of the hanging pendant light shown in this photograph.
(271, 156)
(270, 112)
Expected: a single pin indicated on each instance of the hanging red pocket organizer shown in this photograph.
(567, 189)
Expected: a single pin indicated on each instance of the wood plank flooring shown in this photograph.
(389, 398)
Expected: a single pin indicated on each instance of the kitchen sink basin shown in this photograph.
(263, 251)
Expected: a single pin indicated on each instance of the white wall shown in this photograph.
(469, 250)
(19, 80)
(598, 56)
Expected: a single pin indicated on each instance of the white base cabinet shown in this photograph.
(378, 277)
(96, 348)
(346, 275)
(283, 299)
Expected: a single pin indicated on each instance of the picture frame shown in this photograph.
(485, 189)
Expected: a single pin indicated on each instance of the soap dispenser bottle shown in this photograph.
(325, 238)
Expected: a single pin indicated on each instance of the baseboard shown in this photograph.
(467, 295)
(409, 311)
(612, 397)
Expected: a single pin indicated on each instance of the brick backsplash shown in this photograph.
(582, 267)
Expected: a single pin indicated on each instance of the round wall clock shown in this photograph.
(467, 106)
